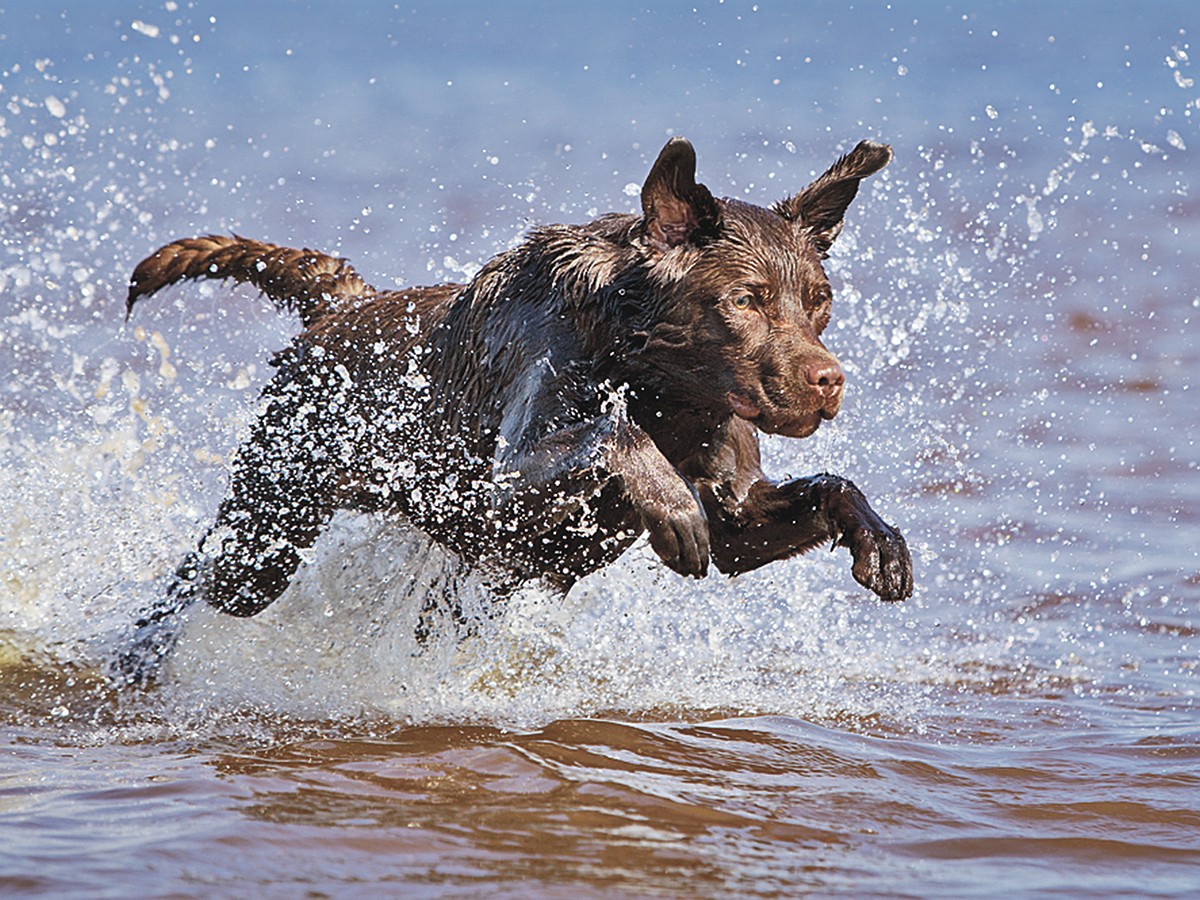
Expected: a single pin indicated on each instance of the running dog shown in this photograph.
(597, 383)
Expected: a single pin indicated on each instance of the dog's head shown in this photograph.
(744, 294)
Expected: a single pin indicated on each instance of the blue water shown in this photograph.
(1016, 309)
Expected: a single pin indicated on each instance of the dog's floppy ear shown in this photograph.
(819, 208)
(675, 209)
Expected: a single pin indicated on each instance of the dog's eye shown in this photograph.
(743, 301)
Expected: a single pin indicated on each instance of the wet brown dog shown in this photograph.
(594, 384)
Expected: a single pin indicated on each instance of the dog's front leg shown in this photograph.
(776, 521)
(557, 475)
(669, 505)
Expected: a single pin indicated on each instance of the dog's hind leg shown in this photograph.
(156, 630)
(281, 496)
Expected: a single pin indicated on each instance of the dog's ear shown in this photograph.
(818, 210)
(675, 209)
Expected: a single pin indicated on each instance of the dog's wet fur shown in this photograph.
(594, 384)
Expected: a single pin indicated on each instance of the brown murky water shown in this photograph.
(1017, 312)
(746, 806)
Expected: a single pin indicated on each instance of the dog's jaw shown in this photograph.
(789, 424)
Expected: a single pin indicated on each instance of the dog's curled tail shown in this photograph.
(304, 281)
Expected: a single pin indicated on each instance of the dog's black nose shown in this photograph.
(826, 377)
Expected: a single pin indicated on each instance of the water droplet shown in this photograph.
(146, 28)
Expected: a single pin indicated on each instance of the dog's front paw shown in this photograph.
(679, 534)
(882, 563)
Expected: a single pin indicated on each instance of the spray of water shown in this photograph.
(115, 444)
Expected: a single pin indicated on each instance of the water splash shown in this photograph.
(954, 275)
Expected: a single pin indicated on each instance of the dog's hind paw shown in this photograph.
(140, 662)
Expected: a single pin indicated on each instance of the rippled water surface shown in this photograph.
(1017, 302)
